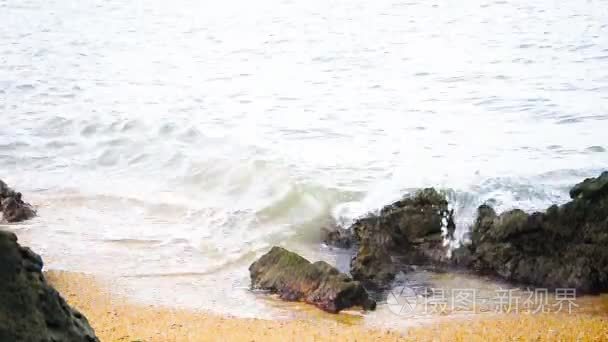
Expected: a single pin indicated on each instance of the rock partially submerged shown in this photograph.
(30, 309)
(564, 247)
(591, 188)
(294, 278)
(334, 235)
(12, 207)
(406, 233)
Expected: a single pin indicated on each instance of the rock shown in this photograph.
(591, 187)
(294, 278)
(564, 247)
(12, 207)
(30, 309)
(334, 235)
(405, 233)
(462, 256)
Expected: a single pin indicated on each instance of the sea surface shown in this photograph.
(167, 144)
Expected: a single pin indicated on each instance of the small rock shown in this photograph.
(12, 207)
(591, 187)
(334, 235)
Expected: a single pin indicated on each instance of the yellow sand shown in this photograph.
(115, 319)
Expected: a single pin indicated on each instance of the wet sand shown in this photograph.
(115, 318)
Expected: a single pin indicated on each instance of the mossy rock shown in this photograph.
(294, 278)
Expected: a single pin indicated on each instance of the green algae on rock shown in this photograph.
(294, 278)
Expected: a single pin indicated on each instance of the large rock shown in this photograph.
(294, 278)
(30, 309)
(564, 247)
(406, 233)
(12, 207)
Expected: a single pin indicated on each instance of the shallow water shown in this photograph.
(167, 144)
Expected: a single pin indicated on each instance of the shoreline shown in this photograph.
(116, 318)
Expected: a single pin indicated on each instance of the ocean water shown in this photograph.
(166, 145)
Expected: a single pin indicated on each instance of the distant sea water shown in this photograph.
(167, 144)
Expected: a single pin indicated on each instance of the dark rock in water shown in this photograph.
(462, 256)
(334, 235)
(591, 187)
(30, 309)
(405, 233)
(564, 247)
(12, 207)
(296, 279)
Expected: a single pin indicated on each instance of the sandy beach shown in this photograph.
(115, 318)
